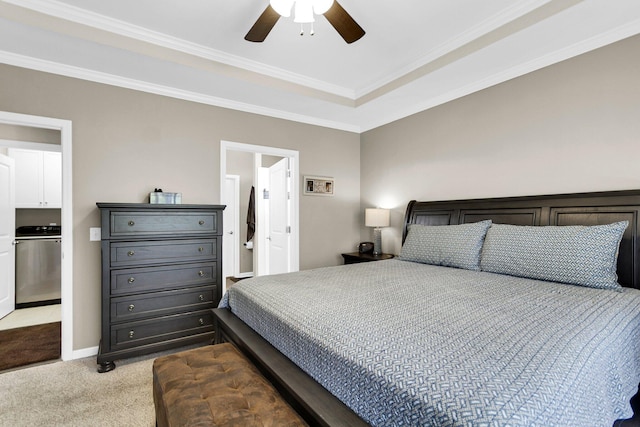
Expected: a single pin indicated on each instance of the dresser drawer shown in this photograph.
(161, 276)
(164, 328)
(143, 279)
(129, 308)
(162, 251)
(162, 223)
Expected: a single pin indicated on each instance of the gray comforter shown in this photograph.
(405, 344)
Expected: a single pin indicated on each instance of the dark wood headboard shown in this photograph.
(563, 209)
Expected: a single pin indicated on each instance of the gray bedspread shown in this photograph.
(405, 344)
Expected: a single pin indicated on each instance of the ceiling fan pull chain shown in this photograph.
(301, 29)
(312, 32)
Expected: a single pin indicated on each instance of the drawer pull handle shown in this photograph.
(131, 280)
(131, 253)
(201, 321)
(201, 297)
(131, 223)
(201, 222)
(201, 273)
(200, 249)
(131, 307)
(131, 333)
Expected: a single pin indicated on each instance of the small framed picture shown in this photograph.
(318, 186)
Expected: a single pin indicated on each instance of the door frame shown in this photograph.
(293, 156)
(65, 128)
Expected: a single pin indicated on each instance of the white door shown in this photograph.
(231, 219)
(7, 236)
(261, 246)
(278, 231)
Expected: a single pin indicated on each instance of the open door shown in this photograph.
(7, 236)
(274, 219)
(279, 229)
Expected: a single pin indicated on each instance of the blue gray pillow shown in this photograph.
(579, 255)
(447, 245)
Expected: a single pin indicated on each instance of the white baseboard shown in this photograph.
(84, 352)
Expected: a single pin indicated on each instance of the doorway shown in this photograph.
(259, 158)
(64, 128)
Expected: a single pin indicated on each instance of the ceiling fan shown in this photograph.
(344, 24)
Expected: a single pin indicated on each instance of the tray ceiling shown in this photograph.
(415, 55)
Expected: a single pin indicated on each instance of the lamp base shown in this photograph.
(377, 241)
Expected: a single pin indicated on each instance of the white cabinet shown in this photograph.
(38, 178)
(52, 179)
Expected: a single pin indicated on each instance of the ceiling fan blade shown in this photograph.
(263, 25)
(344, 24)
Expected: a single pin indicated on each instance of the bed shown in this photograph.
(467, 327)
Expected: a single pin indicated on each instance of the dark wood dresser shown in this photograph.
(161, 275)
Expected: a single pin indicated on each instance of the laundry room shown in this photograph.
(30, 290)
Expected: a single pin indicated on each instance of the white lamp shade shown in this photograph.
(375, 217)
(283, 7)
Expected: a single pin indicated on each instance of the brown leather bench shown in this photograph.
(216, 386)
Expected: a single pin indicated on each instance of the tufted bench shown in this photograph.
(216, 386)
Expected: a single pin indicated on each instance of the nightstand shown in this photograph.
(356, 257)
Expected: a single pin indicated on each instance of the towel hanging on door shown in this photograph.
(251, 215)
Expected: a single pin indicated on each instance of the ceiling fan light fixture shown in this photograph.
(303, 12)
(283, 7)
(321, 6)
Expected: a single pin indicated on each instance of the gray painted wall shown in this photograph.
(126, 143)
(571, 127)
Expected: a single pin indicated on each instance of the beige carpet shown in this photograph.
(74, 394)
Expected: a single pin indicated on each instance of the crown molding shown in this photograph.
(485, 27)
(584, 46)
(37, 64)
(366, 121)
(93, 20)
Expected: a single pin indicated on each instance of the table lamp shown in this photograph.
(377, 218)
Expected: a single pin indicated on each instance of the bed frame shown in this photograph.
(564, 209)
(321, 408)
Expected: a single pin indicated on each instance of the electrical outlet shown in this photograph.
(95, 234)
